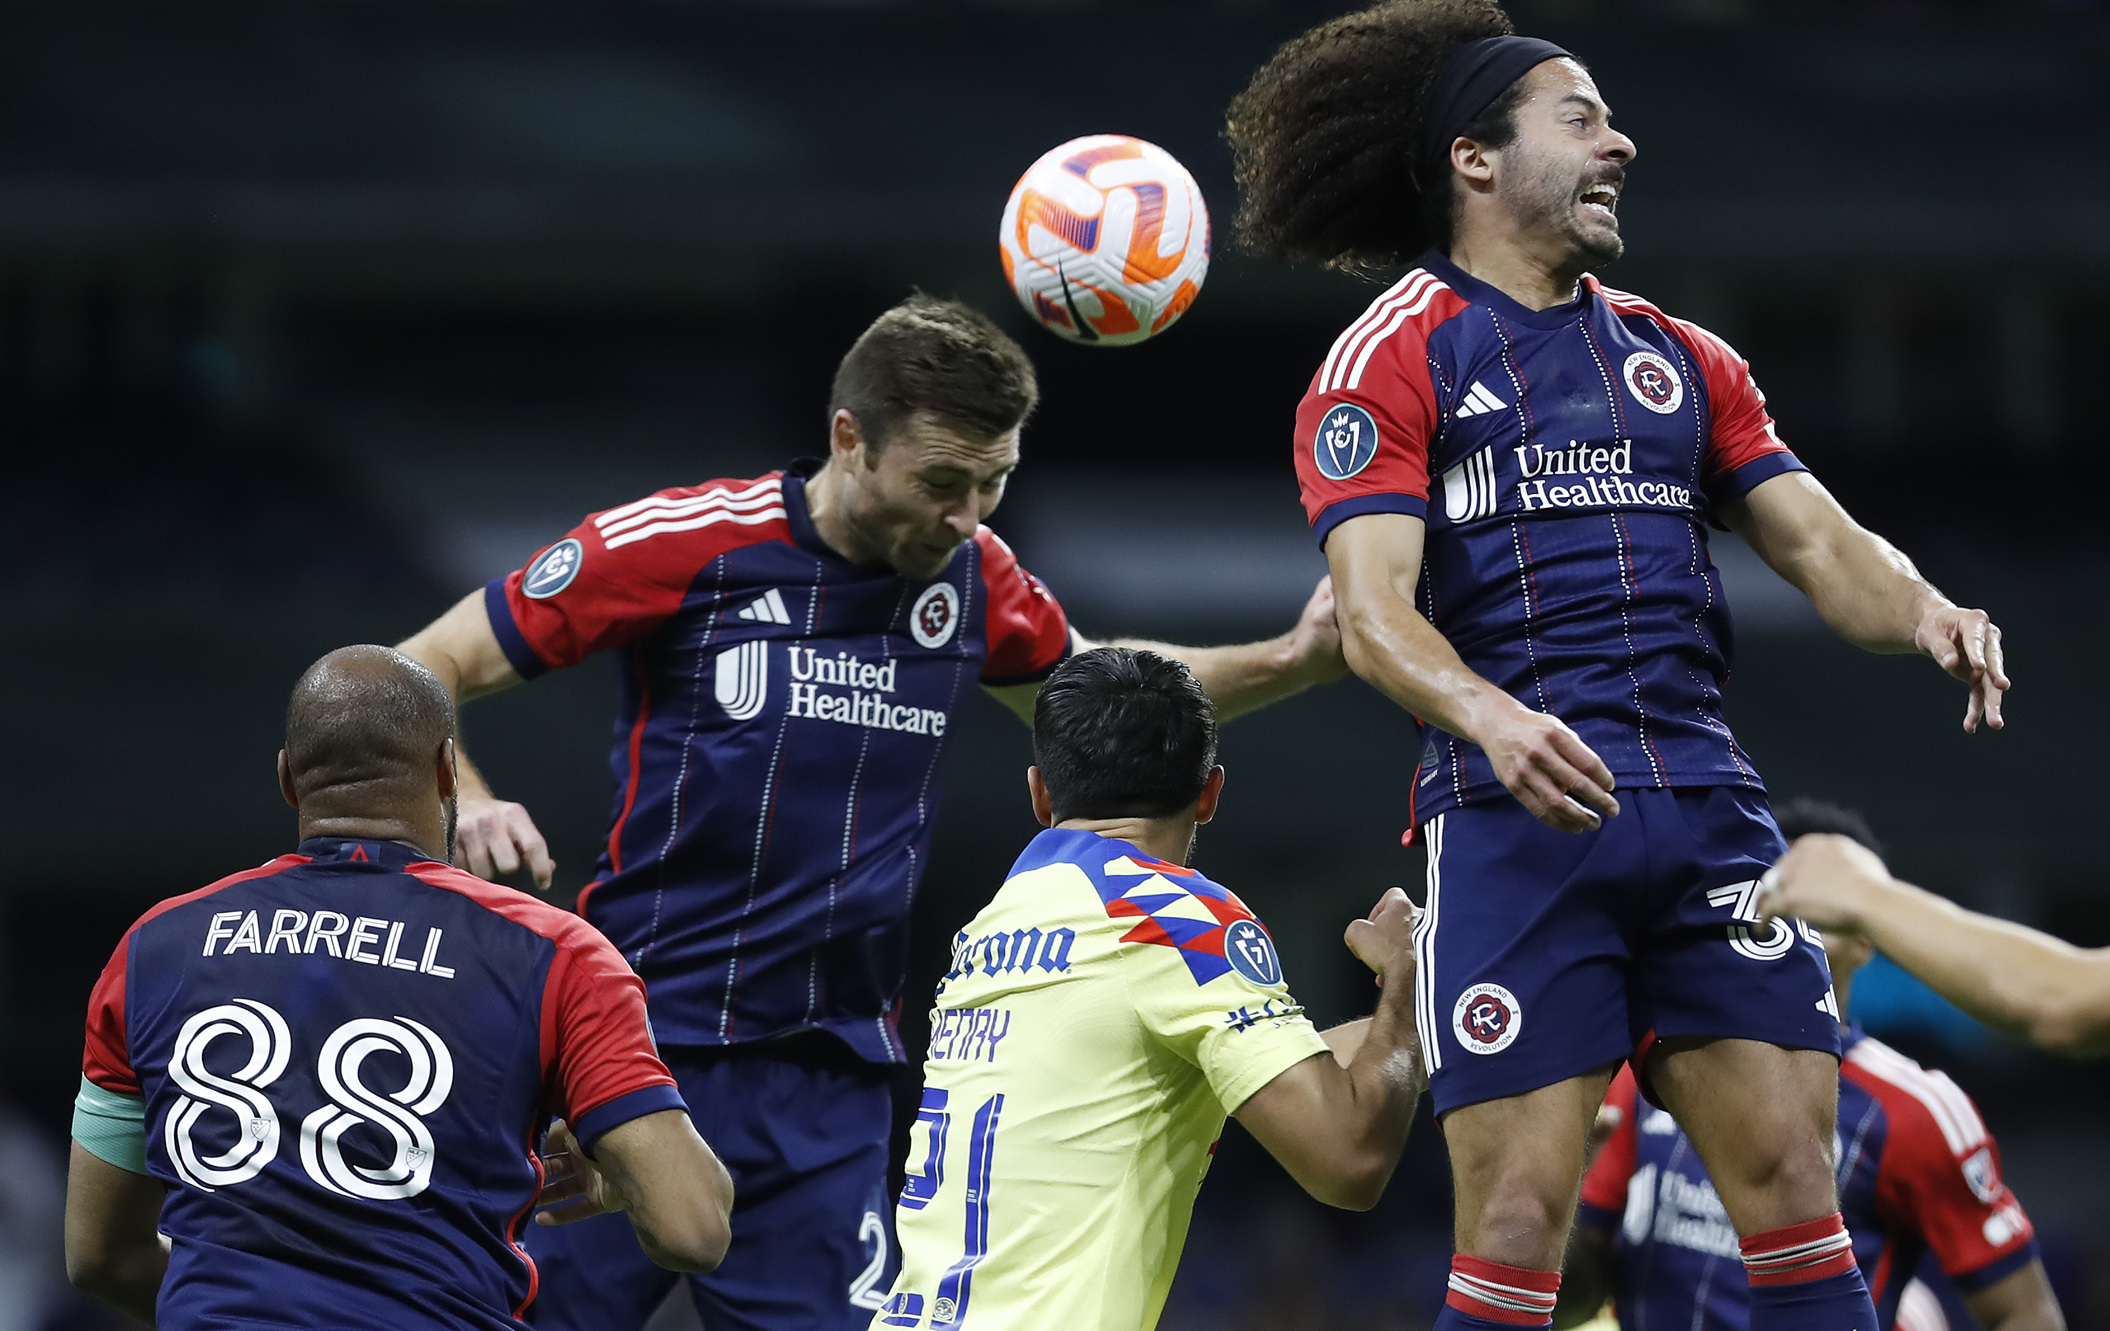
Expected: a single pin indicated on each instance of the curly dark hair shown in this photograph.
(1326, 138)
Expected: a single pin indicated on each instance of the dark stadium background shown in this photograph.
(312, 316)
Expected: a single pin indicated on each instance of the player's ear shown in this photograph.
(1212, 790)
(449, 780)
(285, 780)
(1043, 807)
(845, 436)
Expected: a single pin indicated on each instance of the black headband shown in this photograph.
(1469, 81)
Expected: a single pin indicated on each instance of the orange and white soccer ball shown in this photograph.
(1106, 240)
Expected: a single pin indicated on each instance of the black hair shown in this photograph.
(1120, 733)
(1326, 139)
(936, 356)
(1803, 815)
(366, 722)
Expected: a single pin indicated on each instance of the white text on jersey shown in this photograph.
(340, 935)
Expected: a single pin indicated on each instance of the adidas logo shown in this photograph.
(1478, 402)
(768, 608)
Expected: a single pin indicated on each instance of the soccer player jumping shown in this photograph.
(1548, 609)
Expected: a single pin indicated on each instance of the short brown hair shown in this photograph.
(938, 356)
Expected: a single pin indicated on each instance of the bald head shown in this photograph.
(368, 736)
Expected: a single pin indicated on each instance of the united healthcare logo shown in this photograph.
(553, 570)
(1346, 443)
(740, 681)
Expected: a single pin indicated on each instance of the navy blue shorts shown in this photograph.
(806, 1140)
(1544, 954)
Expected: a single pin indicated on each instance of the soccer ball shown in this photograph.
(1106, 240)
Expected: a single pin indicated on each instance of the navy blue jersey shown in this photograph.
(1918, 1174)
(1577, 453)
(348, 1057)
(783, 712)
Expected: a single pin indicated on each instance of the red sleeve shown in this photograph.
(1364, 426)
(597, 1042)
(1028, 633)
(106, 1058)
(1604, 1184)
(1742, 448)
(1940, 1175)
(619, 574)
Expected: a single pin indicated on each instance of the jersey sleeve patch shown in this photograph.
(1211, 929)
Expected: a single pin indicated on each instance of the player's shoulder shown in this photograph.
(559, 926)
(268, 869)
(728, 511)
(1398, 323)
(1707, 345)
(1917, 1100)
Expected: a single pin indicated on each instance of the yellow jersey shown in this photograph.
(1103, 1015)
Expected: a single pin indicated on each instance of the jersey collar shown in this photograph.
(1480, 293)
(344, 850)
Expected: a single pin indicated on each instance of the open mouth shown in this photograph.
(1602, 199)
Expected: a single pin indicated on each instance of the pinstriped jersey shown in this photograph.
(1918, 1174)
(348, 1058)
(1103, 1014)
(1565, 463)
(782, 715)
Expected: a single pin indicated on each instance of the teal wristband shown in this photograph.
(111, 1127)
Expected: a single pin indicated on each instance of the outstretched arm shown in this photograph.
(1866, 588)
(492, 838)
(1237, 679)
(677, 1194)
(2019, 981)
(1376, 560)
(1339, 1121)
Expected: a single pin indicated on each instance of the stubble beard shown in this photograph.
(1545, 191)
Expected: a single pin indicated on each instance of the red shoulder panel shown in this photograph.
(1742, 430)
(106, 1057)
(621, 573)
(1364, 426)
(596, 1040)
(1940, 1172)
(1028, 633)
(1605, 1182)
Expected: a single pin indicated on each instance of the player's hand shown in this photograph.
(1966, 643)
(493, 839)
(1824, 880)
(573, 1189)
(1384, 941)
(1315, 642)
(1549, 769)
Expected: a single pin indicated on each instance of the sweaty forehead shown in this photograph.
(925, 442)
(1553, 80)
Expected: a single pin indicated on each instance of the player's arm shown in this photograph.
(2022, 1301)
(656, 1170)
(492, 837)
(1866, 588)
(1376, 561)
(113, 1248)
(1337, 1129)
(2018, 981)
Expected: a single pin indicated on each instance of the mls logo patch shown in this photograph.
(1252, 953)
(553, 570)
(1487, 1019)
(1983, 1176)
(1654, 382)
(1346, 443)
(935, 616)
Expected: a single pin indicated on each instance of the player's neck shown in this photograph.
(428, 835)
(1168, 839)
(1536, 276)
(826, 511)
